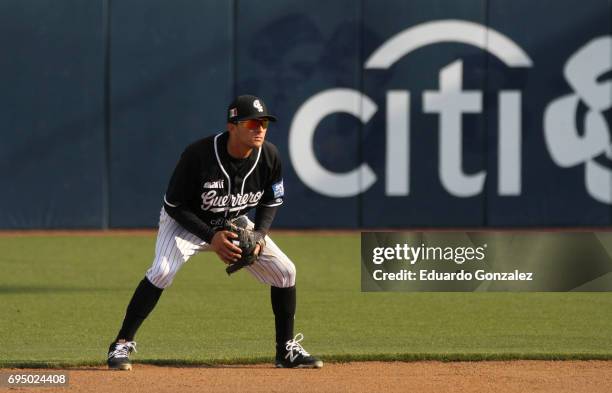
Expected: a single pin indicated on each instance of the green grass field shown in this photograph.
(62, 300)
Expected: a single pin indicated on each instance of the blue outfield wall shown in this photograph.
(52, 150)
(171, 74)
(391, 113)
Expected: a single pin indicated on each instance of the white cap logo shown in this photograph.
(257, 105)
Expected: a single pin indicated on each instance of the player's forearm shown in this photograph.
(263, 218)
(190, 221)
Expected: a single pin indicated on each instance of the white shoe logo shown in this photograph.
(294, 349)
(569, 147)
(257, 105)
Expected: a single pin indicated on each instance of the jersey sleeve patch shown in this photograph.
(278, 189)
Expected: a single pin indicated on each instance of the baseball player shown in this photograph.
(217, 180)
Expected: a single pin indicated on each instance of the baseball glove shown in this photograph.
(247, 241)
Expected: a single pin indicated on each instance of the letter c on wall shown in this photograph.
(301, 150)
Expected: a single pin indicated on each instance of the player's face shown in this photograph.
(251, 133)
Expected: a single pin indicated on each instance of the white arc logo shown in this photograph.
(449, 102)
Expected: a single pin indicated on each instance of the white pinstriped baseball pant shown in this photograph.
(175, 245)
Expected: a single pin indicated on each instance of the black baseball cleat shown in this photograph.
(119, 355)
(295, 356)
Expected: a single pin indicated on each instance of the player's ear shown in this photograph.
(231, 126)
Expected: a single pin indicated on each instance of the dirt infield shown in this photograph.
(498, 377)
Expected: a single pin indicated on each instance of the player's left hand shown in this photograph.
(251, 244)
(222, 245)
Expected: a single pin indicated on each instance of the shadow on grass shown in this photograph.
(266, 362)
(16, 289)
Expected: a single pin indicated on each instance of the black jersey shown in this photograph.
(212, 184)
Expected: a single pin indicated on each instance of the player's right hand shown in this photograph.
(222, 244)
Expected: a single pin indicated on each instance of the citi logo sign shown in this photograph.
(568, 146)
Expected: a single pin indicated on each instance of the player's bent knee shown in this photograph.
(161, 280)
(288, 275)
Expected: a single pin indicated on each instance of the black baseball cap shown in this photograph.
(247, 107)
